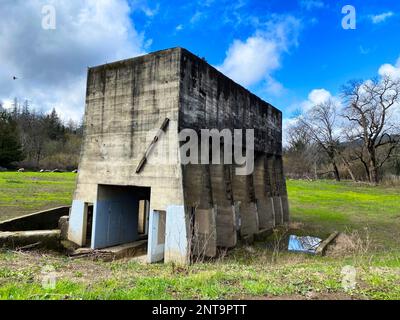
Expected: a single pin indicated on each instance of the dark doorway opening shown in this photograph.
(120, 215)
(88, 215)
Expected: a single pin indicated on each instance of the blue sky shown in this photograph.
(290, 53)
(325, 55)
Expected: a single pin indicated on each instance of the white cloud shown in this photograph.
(250, 61)
(206, 3)
(316, 97)
(51, 64)
(179, 27)
(150, 12)
(274, 87)
(381, 17)
(254, 60)
(390, 70)
(7, 104)
(197, 17)
(311, 4)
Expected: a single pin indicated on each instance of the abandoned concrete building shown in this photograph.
(182, 210)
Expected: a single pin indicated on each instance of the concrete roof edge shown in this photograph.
(134, 58)
(225, 76)
(187, 52)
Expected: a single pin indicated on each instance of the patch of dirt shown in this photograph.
(85, 271)
(296, 225)
(346, 244)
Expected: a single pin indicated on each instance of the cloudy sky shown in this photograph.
(292, 53)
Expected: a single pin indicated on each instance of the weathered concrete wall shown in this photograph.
(210, 100)
(42, 220)
(125, 100)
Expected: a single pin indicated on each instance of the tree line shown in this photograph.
(35, 140)
(356, 137)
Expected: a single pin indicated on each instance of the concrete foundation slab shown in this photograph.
(126, 250)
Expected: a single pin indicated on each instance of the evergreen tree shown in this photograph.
(10, 147)
(54, 126)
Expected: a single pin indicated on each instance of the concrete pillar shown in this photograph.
(176, 236)
(238, 219)
(204, 235)
(199, 200)
(272, 192)
(285, 209)
(78, 223)
(275, 168)
(278, 210)
(249, 218)
(156, 238)
(283, 192)
(271, 207)
(221, 186)
(265, 208)
(243, 193)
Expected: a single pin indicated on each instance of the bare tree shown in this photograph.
(346, 154)
(368, 108)
(301, 155)
(321, 125)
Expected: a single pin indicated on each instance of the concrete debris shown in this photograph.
(44, 238)
(311, 245)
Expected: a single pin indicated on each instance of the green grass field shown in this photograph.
(22, 193)
(326, 206)
(317, 208)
